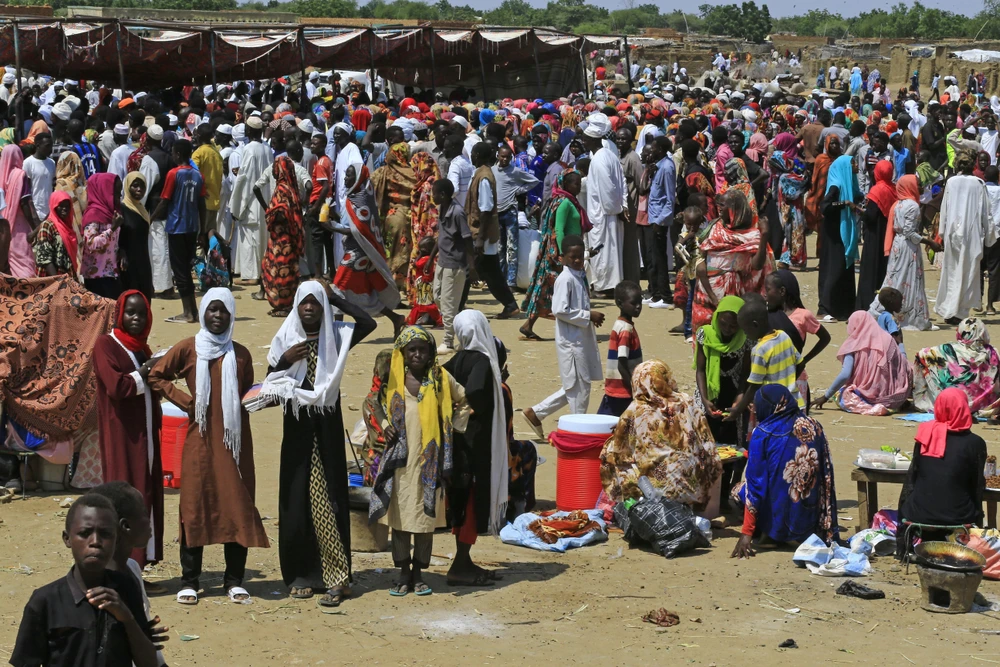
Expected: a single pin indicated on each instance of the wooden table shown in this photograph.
(868, 505)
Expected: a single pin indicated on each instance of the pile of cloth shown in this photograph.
(556, 531)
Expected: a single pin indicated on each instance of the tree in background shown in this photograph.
(746, 21)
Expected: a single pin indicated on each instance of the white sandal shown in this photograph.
(237, 591)
(187, 593)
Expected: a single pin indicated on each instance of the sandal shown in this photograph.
(529, 336)
(188, 596)
(153, 588)
(257, 296)
(178, 319)
(332, 598)
(399, 590)
(301, 593)
(534, 427)
(481, 579)
(239, 595)
(421, 589)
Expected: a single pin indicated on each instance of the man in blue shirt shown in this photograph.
(182, 203)
(656, 236)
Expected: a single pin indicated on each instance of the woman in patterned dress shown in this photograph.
(306, 362)
(280, 266)
(394, 184)
(423, 214)
(789, 492)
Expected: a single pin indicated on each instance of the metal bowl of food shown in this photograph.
(948, 556)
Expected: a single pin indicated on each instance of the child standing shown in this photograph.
(696, 225)
(576, 339)
(624, 351)
(781, 290)
(424, 311)
(774, 359)
(57, 630)
(454, 256)
(217, 498)
(134, 531)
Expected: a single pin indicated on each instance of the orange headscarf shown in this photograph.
(906, 188)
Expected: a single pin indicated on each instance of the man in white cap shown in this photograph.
(305, 131)
(248, 216)
(311, 85)
(117, 163)
(154, 167)
(7, 89)
(605, 202)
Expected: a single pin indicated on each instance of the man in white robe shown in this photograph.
(605, 201)
(966, 229)
(117, 163)
(248, 215)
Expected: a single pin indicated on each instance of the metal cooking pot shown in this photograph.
(948, 556)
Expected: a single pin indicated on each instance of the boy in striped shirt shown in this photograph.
(624, 351)
(774, 359)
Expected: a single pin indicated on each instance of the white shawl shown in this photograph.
(209, 346)
(334, 343)
(472, 332)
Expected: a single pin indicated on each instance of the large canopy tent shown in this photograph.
(516, 62)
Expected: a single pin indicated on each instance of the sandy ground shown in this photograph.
(582, 607)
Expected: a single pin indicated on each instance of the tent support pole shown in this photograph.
(121, 66)
(19, 105)
(482, 69)
(304, 104)
(538, 68)
(371, 67)
(211, 52)
(628, 65)
(433, 67)
(583, 73)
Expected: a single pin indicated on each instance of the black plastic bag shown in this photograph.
(666, 525)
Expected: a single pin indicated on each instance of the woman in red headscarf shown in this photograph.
(56, 245)
(945, 483)
(874, 261)
(129, 413)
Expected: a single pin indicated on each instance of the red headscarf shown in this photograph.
(951, 413)
(64, 227)
(882, 193)
(132, 343)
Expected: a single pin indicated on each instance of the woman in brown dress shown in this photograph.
(217, 495)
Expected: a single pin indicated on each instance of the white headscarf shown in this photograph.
(334, 343)
(472, 332)
(598, 125)
(210, 346)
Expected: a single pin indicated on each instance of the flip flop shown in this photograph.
(421, 589)
(399, 590)
(153, 588)
(177, 319)
(530, 337)
(187, 593)
(300, 593)
(332, 598)
(237, 591)
(257, 296)
(480, 580)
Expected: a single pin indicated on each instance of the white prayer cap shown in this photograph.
(62, 111)
(343, 127)
(172, 119)
(255, 123)
(305, 125)
(121, 129)
(239, 133)
(207, 91)
(598, 125)
(313, 75)
(9, 79)
(225, 129)
(828, 103)
(154, 132)
(461, 121)
(72, 102)
(138, 96)
(749, 115)
(10, 70)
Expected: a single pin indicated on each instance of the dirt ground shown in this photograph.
(584, 606)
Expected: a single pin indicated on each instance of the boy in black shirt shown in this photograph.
(89, 617)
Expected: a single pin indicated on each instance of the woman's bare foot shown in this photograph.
(534, 422)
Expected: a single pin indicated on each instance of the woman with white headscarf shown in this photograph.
(217, 497)
(477, 497)
(305, 366)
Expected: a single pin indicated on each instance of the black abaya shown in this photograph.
(874, 261)
(836, 278)
(474, 448)
(133, 245)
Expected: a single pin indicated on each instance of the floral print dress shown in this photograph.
(663, 435)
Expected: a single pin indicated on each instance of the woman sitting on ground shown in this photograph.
(789, 492)
(945, 483)
(970, 364)
(664, 436)
(875, 376)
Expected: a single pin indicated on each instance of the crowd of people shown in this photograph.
(346, 205)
